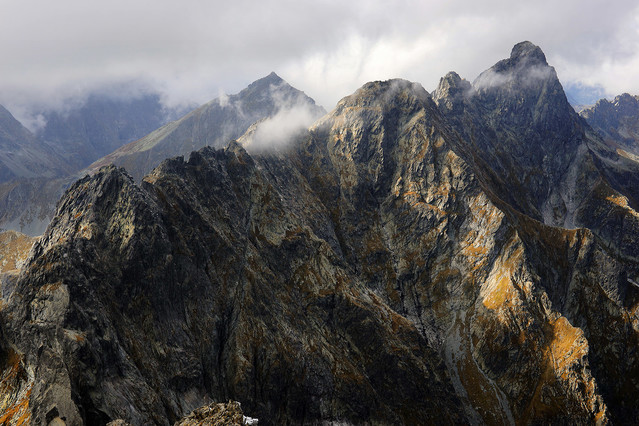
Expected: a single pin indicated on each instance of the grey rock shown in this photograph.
(393, 265)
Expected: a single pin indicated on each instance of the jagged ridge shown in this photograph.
(379, 270)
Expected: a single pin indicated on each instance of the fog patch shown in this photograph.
(399, 85)
(34, 122)
(523, 76)
(223, 99)
(278, 131)
(65, 100)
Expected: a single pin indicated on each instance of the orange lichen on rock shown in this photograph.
(15, 391)
(618, 199)
(568, 346)
(14, 250)
(499, 287)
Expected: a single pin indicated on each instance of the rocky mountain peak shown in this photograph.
(451, 91)
(383, 94)
(272, 78)
(524, 90)
(624, 105)
(525, 70)
(263, 92)
(450, 84)
(528, 52)
(626, 100)
(214, 124)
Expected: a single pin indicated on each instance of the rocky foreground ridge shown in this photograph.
(463, 257)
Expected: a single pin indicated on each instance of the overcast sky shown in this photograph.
(194, 50)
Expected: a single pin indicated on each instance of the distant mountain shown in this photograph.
(467, 257)
(617, 122)
(22, 155)
(36, 169)
(30, 176)
(213, 124)
(102, 124)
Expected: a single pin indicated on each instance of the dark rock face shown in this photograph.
(517, 125)
(197, 318)
(533, 152)
(380, 270)
(213, 124)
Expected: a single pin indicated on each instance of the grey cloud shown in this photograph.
(191, 51)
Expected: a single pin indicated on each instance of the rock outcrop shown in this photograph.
(219, 414)
(396, 264)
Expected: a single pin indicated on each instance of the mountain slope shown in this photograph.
(213, 124)
(533, 152)
(30, 172)
(219, 333)
(38, 168)
(376, 270)
(102, 124)
(485, 284)
(22, 155)
(617, 122)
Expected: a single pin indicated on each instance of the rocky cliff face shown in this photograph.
(617, 122)
(214, 124)
(377, 270)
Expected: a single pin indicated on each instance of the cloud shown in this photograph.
(291, 118)
(191, 51)
(278, 131)
(526, 76)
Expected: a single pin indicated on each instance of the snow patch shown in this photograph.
(249, 421)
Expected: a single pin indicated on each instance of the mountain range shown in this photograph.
(466, 256)
(213, 124)
(38, 166)
(136, 132)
